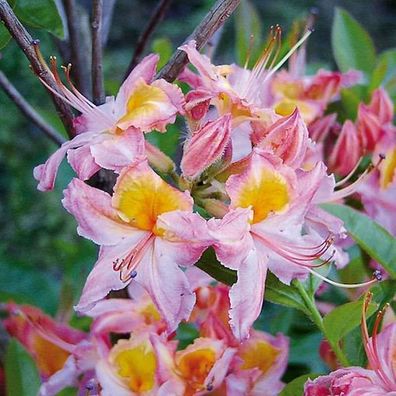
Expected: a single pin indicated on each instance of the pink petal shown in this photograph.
(97, 219)
(246, 295)
(198, 103)
(103, 278)
(232, 237)
(82, 162)
(120, 150)
(381, 105)
(145, 69)
(167, 284)
(369, 128)
(206, 146)
(110, 383)
(46, 173)
(220, 369)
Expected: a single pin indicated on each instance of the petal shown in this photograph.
(186, 235)
(67, 376)
(211, 140)
(103, 278)
(82, 162)
(110, 384)
(167, 284)
(144, 70)
(246, 295)
(120, 150)
(46, 173)
(219, 370)
(97, 219)
(232, 238)
(381, 105)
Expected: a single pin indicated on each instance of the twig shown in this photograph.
(25, 42)
(80, 68)
(28, 110)
(214, 19)
(98, 93)
(154, 20)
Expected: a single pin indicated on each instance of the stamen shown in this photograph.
(350, 174)
(343, 285)
(249, 51)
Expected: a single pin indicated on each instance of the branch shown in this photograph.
(154, 20)
(78, 48)
(28, 110)
(26, 43)
(98, 93)
(214, 19)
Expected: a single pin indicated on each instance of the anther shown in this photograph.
(377, 274)
(36, 42)
(133, 274)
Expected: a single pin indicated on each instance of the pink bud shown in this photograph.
(206, 146)
(381, 105)
(320, 128)
(158, 159)
(197, 104)
(288, 139)
(346, 152)
(369, 128)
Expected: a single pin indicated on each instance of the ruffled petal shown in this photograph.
(97, 219)
(82, 162)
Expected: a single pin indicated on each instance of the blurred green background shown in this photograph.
(43, 261)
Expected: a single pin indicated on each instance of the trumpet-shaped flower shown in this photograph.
(258, 366)
(196, 370)
(146, 230)
(110, 135)
(264, 230)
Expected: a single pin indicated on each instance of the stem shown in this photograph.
(25, 42)
(213, 20)
(28, 110)
(98, 93)
(154, 20)
(316, 317)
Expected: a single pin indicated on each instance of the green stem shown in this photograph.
(316, 317)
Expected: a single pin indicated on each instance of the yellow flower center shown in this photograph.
(258, 354)
(195, 366)
(137, 366)
(150, 314)
(388, 169)
(141, 197)
(143, 103)
(265, 194)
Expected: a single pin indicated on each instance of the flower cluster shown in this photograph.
(253, 173)
(128, 350)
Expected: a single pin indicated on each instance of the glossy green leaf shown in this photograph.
(248, 32)
(353, 48)
(296, 387)
(42, 14)
(22, 377)
(384, 70)
(371, 237)
(163, 47)
(343, 319)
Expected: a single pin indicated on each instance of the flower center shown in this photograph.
(265, 194)
(137, 366)
(258, 354)
(388, 169)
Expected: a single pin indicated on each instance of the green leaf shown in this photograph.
(296, 387)
(353, 48)
(248, 32)
(41, 14)
(186, 333)
(22, 377)
(343, 319)
(350, 101)
(163, 47)
(370, 236)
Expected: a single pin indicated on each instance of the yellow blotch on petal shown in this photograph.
(265, 194)
(287, 106)
(143, 103)
(137, 366)
(388, 169)
(49, 357)
(259, 354)
(141, 197)
(195, 366)
(150, 314)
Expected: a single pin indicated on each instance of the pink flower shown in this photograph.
(258, 366)
(145, 230)
(110, 136)
(196, 370)
(263, 229)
